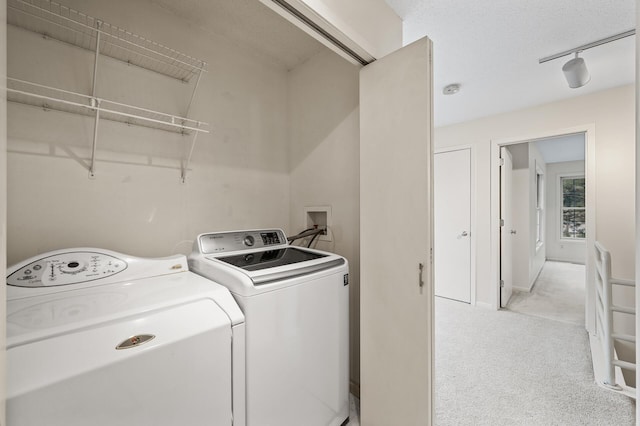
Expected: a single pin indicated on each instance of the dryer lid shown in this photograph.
(39, 317)
(70, 269)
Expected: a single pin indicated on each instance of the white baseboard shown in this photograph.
(555, 259)
(533, 281)
(484, 305)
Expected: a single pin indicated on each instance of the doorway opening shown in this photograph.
(543, 227)
(537, 227)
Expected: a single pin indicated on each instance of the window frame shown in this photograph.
(561, 207)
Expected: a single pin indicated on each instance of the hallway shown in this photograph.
(558, 294)
(504, 368)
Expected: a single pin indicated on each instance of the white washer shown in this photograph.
(296, 305)
(95, 337)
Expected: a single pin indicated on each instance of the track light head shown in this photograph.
(576, 72)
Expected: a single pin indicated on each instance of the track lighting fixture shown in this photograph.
(575, 71)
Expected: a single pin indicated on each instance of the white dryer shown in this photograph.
(296, 306)
(95, 337)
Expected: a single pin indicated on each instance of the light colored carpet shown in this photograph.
(558, 294)
(503, 368)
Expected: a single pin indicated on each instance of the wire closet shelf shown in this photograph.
(55, 21)
(46, 97)
(62, 23)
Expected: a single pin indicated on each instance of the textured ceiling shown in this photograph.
(492, 49)
(250, 25)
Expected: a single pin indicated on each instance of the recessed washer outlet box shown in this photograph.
(319, 216)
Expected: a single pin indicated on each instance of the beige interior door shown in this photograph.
(506, 227)
(452, 219)
(396, 229)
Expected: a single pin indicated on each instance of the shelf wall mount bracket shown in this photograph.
(185, 165)
(92, 165)
(95, 102)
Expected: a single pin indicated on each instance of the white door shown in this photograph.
(506, 249)
(452, 224)
(396, 229)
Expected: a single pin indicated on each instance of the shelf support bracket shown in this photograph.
(185, 166)
(195, 88)
(92, 170)
(95, 102)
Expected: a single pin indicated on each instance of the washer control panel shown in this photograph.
(224, 242)
(67, 268)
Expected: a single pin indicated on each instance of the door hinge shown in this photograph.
(501, 222)
(501, 283)
(501, 162)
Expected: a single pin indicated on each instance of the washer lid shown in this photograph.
(256, 261)
(271, 258)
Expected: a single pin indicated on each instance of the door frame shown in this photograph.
(589, 131)
(505, 212)
(473, 212)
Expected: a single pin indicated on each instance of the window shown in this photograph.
(539, 205)
(574, 225)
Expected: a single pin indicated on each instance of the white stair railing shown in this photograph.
(604, 315)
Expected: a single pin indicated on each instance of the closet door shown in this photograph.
(452, 220)
(396, 238)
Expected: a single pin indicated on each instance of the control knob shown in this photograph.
(73, 267)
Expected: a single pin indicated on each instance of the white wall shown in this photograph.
(324, 155)
(136, 204)
(528, 258)
(566, 250)
(613, 114)
(3, 205)
(537, 251)
(637, 198)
